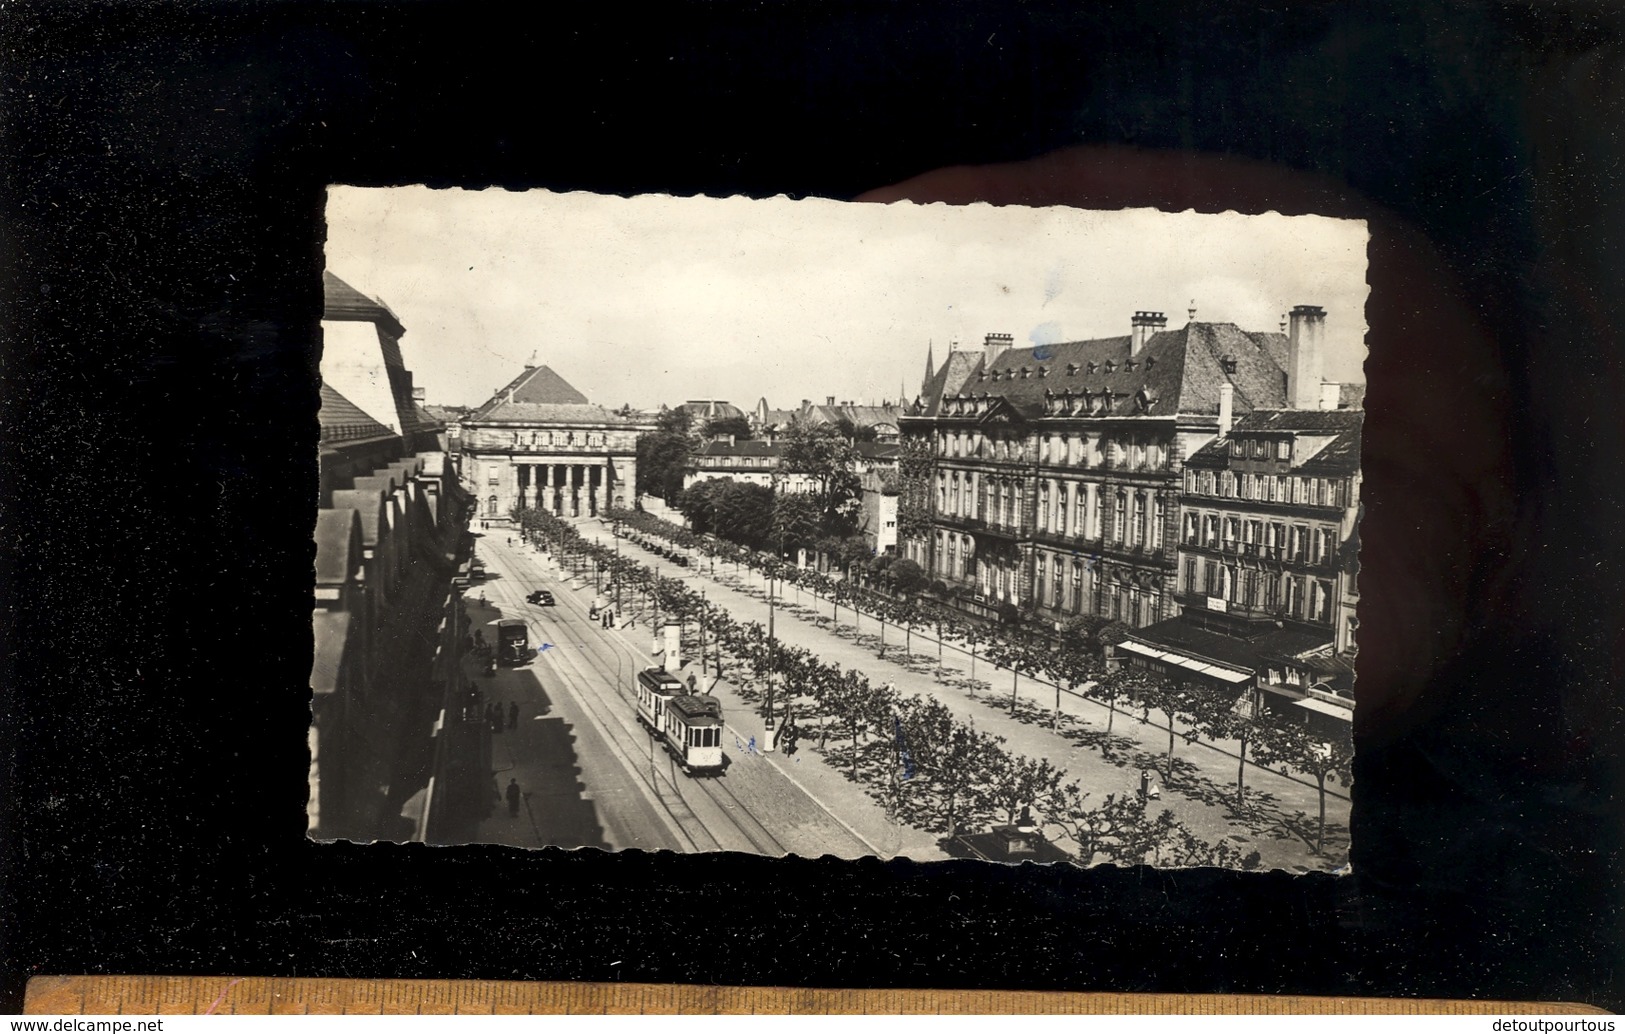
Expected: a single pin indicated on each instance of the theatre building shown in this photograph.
(539, 442)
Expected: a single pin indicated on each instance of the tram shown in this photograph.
(688, 725)
(513, 642)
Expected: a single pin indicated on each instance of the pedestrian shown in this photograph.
(513, 797)
(513, 715)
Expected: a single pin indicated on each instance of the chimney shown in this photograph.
(1143, 325)
(1331, 395)
(1303, 356)
(829, 400)
(995, 345)
(420, 394)
(1190, 313)
(1227, 405)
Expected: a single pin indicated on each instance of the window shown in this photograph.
(1040, 580)
(1189, 580)
(1077, 586)
(1141, 532)
(1119, 517)
(1283, 450)
(965, 552)
(1043, 509)
(1056, 600)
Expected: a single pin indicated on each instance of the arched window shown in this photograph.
(491, 506)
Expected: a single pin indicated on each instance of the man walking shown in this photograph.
(513, 715)
(513, 798)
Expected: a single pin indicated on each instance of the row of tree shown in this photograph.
(932, 770)
(1073, 660)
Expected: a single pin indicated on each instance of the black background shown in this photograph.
(164, 167)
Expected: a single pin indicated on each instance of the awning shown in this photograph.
(1188, 663)
(1322, 707)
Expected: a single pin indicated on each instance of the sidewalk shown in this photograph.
(1202, 798)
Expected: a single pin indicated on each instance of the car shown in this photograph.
(542, 598)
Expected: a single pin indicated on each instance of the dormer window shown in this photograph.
(1010, 375)
(1071, 369)
(1150, 361)
(1025, 373)
(1228, 363)
(1093, 366)
(1043, 371)
(1130, 365)
(1111, 367)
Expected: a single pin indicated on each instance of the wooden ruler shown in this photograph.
(147, 996)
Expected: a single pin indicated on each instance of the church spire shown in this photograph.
(930, 365)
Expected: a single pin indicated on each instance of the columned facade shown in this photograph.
(539, 443)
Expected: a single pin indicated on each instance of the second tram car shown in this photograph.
(689, 725)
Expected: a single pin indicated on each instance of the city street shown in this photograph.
(590, 775)
(1282, 832)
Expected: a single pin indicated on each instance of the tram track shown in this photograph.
(666, 790)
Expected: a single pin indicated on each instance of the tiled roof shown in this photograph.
(446, 414)
(523, 413)
(340, 301)
(950, 378)
(343, 420)
(1182, 636)
(540, 396)
(1351, 396)
(749, 447)
(1181, 369)
(1321, 421)
(711, 409)
(540, 385)
(1341, 455)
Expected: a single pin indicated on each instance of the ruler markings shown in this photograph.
(135, 995)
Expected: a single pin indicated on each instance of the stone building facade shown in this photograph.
(1055, 471)
(539, 442)
(389, 527)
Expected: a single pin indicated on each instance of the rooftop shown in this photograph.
(1180, 371)
(1242, 652)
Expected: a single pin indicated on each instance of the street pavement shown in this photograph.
(592, 775)
(1281, 830)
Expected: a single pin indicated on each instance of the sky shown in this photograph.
(654, 299)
